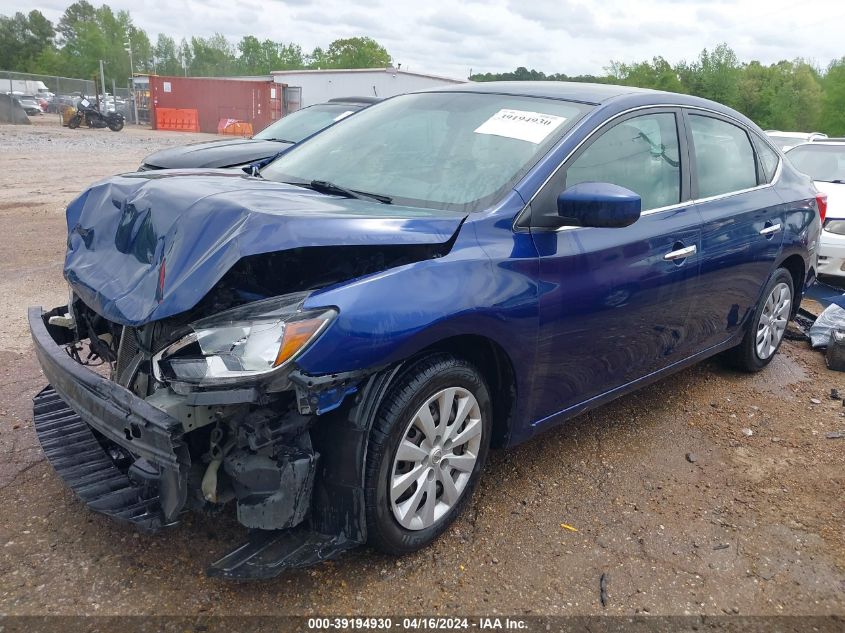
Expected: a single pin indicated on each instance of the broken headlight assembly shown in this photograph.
(242, 344)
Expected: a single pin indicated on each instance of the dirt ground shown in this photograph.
(682, 509)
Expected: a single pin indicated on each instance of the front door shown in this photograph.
(615, 303)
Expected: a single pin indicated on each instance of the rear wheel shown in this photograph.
(765, 334)
(427, 448)
(116, 125)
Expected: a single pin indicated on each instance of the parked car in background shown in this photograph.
(332, 345)
(824, 162)
(786, 140)
(29, 104)
(828, 139)
(269, 142)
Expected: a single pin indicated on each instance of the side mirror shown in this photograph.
(599, 205)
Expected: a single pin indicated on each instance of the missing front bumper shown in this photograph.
(81, 417)
(79, 403)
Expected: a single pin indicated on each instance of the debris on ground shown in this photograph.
(832, 319)
(747, 432)
(603, 590)
(691, 458)
(835, 355)
(815, 401)
(836, 435)
(834, 394)
(568, 527)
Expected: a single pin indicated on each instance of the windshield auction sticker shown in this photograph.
(533, 127)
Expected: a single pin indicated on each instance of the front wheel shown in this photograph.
(116, 125)
(765, 333)
(74, 122)
(427, 448)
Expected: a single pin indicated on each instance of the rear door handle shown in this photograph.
(770, 230)
(681, 253)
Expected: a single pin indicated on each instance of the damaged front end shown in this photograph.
(189, 413)
(173, 374)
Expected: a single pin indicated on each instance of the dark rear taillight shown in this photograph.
(821, 203)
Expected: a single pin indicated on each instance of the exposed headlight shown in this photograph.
(243, 343)
(835, 226)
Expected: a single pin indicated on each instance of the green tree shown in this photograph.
(23, 38)
(166, 56)
(212, 57)
(353, 52)
(714, 75)
(832, 116)
(657, 75)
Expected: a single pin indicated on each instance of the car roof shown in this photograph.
(592, 94)
(355, 100)
(565, 90)
(795, 134)
(817, 145)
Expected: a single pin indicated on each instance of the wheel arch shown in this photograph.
(495, 366)
(797, 268)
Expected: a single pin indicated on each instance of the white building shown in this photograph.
(318, 86)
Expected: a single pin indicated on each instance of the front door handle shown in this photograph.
(681, 253)
(770, 230)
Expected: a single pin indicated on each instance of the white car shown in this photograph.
(787, 140)
(825, 164)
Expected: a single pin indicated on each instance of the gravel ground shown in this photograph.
(673, 500)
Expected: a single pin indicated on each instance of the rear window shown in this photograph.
(768, 158)
(724, 158)
(820, 162)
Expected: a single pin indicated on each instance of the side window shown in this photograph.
(724, 158)
(640, 154)
(768, 160)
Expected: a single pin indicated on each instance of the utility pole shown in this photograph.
(128, 45)
(102, 86)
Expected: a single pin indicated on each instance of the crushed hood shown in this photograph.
(146, 246)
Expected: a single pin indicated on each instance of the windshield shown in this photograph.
(303, 123)
(441, 150)
(820, 162)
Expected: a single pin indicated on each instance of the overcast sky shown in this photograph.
(450, 38)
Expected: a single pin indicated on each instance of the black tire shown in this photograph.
(116, 126)
(419, 382)
(744, 356)
(74, 122)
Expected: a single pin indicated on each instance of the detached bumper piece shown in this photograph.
(268, 553)
(76, 455)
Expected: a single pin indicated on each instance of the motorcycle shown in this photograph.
(93, 118)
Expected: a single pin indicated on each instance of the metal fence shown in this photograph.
(62, 91)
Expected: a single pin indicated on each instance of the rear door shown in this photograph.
(615, 302)
(742, 226)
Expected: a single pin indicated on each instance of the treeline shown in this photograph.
(789, 95)
(86, 34)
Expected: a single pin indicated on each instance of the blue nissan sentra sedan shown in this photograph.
(331, 346)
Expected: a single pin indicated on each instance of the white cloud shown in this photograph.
(569, 36)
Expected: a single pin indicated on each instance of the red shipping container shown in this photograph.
(258, 103)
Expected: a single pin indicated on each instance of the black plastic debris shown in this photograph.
(835, 355)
